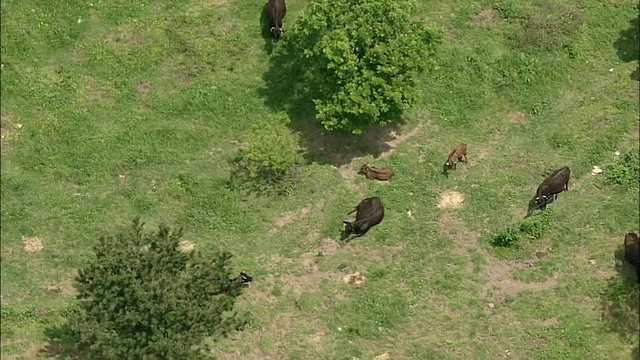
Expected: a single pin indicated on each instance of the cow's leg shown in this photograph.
(566, 186)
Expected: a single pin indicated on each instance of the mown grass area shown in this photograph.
(117, 109)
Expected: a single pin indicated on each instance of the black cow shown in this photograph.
(632, 252)
(370, 213)
(553, 185)
(276, 9)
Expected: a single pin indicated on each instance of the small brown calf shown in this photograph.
(377, 173)
(456, 155)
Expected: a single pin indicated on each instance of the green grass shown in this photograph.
(75, 116)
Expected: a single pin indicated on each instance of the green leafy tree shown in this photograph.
(141, 297)
(361, 59)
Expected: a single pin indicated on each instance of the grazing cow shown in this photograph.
(276, 9)
(632, 252)
(553, 185)
(456, 155)
(377, 173)
(243, 278)
(370, 212)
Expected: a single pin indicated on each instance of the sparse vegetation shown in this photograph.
(531, 228)
(118, 109)
(625, 170)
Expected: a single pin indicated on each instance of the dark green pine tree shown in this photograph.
(143, 298)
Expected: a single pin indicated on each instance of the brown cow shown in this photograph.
(456, 155)
(377, 173)
(632, 251)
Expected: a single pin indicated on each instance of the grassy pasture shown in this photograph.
(116, 109)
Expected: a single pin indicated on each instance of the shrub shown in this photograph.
(361, 58)
(624, 171)
(143, 298)
(533, 227)
(272, 159)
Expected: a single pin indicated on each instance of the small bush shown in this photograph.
(272, 159)
(532, 228)
(549, 29)
(624, 171)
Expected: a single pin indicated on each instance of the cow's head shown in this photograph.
(541, 199)
(277, 33)
(245, 278)
(348, 227)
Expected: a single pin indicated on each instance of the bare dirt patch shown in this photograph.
(143, 89)
(451, 200)
(485, 18)
(516, 117)
(399, 139)
(355, 279)
(7, 131)
(290, 217)
(378, 142)
(502, 284)
(384, 356)
(186, 245)
(453, 227)
(549, 322)
(32, 244)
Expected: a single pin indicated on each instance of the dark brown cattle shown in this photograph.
(276, 9)
(632, 252)
(370, 213)
(556, 183)
(456, 155)
(377, 173)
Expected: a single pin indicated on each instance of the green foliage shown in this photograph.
(532, 228)
(624, 171)
(143, 298)
(361, 58)
(549, 28)
(271, 159)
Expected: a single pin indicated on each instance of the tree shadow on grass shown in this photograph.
(620, 301)
(288, 88)
(628, 48)
(61, 344)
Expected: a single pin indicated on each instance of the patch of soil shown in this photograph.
(348, 162)
(500, 276)
(290, 217)
(485, 18)
(549, 322)
(125, 38)
(355, 279)
(143, 89)
(32, 244)
(399, 139)
(186, 245)
(451, 199)
(384, 356)
(516, 117)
